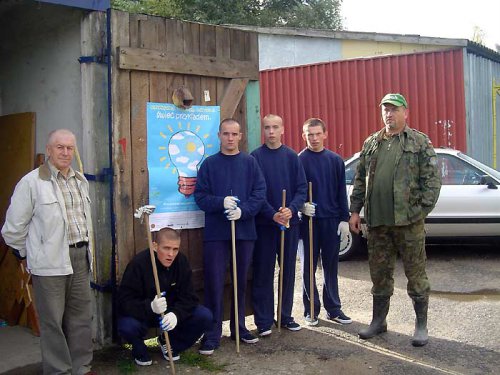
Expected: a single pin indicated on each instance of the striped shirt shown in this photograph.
(73, 200)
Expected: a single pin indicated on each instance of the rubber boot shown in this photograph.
(378, 324)
(420, 337)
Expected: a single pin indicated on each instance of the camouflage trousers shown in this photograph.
(384, 244)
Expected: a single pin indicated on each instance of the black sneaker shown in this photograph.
(264, 332)
(247, 338)
(311, 321)
(292, 326)
(175, 356)
(143, 360)
(341, 318)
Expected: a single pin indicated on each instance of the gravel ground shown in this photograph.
(463, 328)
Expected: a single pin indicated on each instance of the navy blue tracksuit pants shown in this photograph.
(267, 250)
(326, 243)
(217, 256)
(182, 337)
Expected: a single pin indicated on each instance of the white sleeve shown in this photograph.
(18, 217)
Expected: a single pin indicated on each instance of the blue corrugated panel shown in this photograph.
(85, 4)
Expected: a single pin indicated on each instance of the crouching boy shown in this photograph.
(140, 308)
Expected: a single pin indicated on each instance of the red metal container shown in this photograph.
(346, 95)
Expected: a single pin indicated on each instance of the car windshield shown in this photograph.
(350, 171)
(466, 172)
(491, 171)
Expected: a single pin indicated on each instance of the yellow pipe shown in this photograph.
(494, 93)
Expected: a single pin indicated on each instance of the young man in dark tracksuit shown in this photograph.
(282, 171)
(326, 170)
(139, 307)
(229, 187)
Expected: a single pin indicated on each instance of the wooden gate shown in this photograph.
(152, 56)
(17, 158)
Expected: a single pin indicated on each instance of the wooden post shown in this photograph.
(235, 286)
(282, 255)
(158, 290)
(311, 267)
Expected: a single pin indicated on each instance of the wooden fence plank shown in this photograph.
(238, 51)
(252, 49)
(232, 97)
(121, 147)
(144, 35)
(238, 45)
(158, 81)
(223, 43)
(208, 47)
(162, 61)
(252, 98)
(223, 50)
(208, 91)
(175, 44)
(192, 48)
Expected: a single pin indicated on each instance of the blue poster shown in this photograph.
(178, 142)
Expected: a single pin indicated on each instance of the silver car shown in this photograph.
(468, 207)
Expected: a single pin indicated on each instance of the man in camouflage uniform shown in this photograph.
(398, 184)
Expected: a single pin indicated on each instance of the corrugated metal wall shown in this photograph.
(346, 95)
(479, 76)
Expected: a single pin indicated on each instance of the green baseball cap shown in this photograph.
(395, 99)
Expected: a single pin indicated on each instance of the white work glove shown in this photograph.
(168, 322)
(343, 230)
(159, 305)
(233, 214)
(308, 209)
(144, 210)
(230, 203)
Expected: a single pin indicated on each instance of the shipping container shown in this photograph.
(441, 92)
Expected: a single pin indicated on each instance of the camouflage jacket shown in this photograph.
(416, 182)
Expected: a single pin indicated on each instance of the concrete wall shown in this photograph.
(279, 51)
(39, 72)
(39, 68)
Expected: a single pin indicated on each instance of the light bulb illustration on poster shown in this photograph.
(178, 142)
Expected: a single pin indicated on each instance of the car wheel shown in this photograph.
(353, 244)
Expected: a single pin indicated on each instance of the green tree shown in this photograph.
(222, 11)
(315, 14)
(165, 8)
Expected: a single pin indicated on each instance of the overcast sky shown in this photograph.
(437, 18)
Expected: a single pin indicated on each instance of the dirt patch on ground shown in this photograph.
(324, 349)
